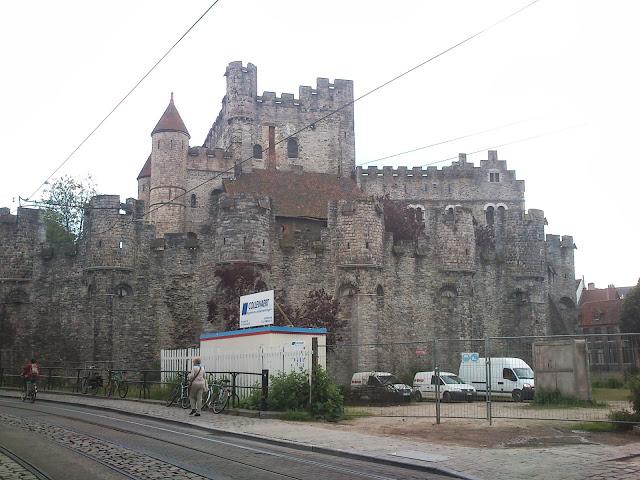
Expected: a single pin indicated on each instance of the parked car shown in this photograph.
(378, 387)
(451, 387)
(510, 377)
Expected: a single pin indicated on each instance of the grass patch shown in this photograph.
(297, 416)
(611, 394)
(595, 427)
(351, 413)
(554, 399)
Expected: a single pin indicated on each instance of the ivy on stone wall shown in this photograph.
(406, 223)
(318, 309)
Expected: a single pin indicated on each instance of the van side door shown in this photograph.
(509, 380)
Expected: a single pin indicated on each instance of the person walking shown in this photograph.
(197, 385)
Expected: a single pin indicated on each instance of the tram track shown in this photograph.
(25, 464)
(136, 428)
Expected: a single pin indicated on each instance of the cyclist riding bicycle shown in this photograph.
(30, 374)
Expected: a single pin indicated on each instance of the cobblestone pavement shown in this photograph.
(10, 470)
(114, 456)
(570, 462)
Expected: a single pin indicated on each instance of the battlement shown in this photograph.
(557, 242)
(242, 81)
(460, 168)
(459, 182)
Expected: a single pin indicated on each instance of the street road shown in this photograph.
(71, 442)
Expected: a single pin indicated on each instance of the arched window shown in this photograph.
(257, 151)
(490, 215)
(123, 290)
(292, 148)
(193, 200)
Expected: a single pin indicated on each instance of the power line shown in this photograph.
(122, 100)
(513, 142)
(348, 104)
(441, 142)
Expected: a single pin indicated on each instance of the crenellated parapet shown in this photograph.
(21, 236)
(461, 182)
(254, 127)
(112, 233)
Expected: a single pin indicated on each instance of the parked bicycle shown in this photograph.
(217, 396)
(116, 382)
(30, 391)
(180, 393)
(92, 381)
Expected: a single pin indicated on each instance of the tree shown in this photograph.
(320, 310)
(65, 201)
(630, 311)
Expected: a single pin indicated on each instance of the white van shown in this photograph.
(510, 377)
(379, 387)
(451, 387)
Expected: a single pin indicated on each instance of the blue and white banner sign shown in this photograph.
(256, 310)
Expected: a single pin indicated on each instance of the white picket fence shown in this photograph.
(176, 360)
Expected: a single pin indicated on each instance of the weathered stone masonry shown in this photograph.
(140, 277)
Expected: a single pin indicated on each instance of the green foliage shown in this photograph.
(634, 386)
(65, 200)
(595, 427)
(289, 391)
(608, 382)
(630, 311)
(555, 399)
(326, 400)
(296, 416)
(626, 419)
(252, 401)
(611, 394)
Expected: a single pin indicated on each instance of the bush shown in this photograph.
(623, 416)
(634, 386)
(252, 401)
(326, 400)
(289, 391)
(553, 398)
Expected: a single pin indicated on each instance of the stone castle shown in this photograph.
(264, 190)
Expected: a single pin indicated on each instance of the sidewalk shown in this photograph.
(585, 461)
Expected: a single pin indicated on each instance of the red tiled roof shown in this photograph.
(171, 121)
(605, 312)
(295, 194)
(599, 295)
(146, 170)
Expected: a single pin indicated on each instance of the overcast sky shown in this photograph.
(563, 66)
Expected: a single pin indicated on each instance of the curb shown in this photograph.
(282, 443)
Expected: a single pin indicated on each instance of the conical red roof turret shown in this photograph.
(171, 121)
(146, 169)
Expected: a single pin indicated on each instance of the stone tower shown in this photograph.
(167, 187)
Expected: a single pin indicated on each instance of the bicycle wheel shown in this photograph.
(221, 401)
(34, 391)
(184, 399)
(123, 389)
(108, 389)
(173, 396)
(206, 401)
